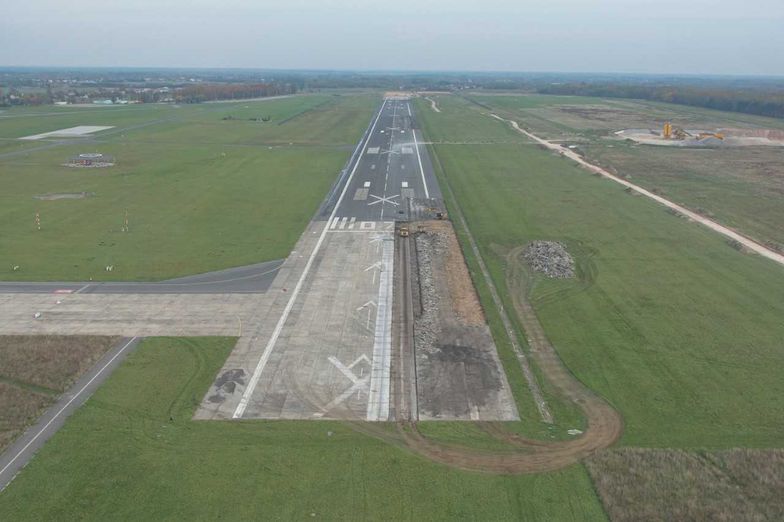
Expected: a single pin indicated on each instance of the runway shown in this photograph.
(393, 167)
(324, 349)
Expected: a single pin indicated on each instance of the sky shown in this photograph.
(630, 36)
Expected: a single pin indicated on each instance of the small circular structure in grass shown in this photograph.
(90, 160)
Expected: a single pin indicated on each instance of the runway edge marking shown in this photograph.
(254, 380)
(419, 158)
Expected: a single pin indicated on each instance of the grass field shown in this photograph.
(134, 440)
(656, 484)
(35, 370)
(743, 187)
(679, 331)
(202, 192)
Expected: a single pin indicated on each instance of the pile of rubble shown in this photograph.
(426, 327)
(549, 258)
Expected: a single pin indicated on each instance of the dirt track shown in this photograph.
(528, 455)
(433, 104)
(524, 455)
(721, 229)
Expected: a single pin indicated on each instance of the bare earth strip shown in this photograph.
(721, 229)
(433, 104)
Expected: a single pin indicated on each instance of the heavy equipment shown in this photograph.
(703, 135)
(674, 133)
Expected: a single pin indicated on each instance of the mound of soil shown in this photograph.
(549, 258)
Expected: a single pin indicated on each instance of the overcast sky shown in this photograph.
(649, 36)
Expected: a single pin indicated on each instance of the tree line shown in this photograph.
(235, 91)
(749, 102)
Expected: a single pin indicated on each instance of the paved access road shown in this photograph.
(241, 280)
(22, 450)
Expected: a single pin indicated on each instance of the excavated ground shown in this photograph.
(459, 375)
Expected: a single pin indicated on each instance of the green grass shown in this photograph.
(202, 193)
(739, 186)
(132, 452)
(677, 330)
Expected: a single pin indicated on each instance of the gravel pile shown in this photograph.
(549, 258)
(426, 327)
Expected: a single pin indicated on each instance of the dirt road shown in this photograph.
(721, 229)
(433, 104)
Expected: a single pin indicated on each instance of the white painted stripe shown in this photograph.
(254, 380)
(408, 106)
(367, 184)
(405, 184)
(378, 396)
(351, 223)
(421, 170)
(343, 223)
(76, 396)
(333, 222)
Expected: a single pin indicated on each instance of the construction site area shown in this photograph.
(673, 136)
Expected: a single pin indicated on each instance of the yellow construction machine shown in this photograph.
(676, 133)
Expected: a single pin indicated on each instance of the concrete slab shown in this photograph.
(128, 315)
(331, 357)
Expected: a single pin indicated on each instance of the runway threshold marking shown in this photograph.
(254, 380)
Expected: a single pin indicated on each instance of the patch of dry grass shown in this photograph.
(50, 361)
(19, 408)
(34, 370)
(659, 484)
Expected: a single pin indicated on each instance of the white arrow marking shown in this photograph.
(369, 303)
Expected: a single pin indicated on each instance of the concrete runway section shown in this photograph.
(129, 315)
(241, 280)
(324, 349)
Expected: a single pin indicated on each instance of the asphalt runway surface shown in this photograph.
(393, 166)
(248, 279)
